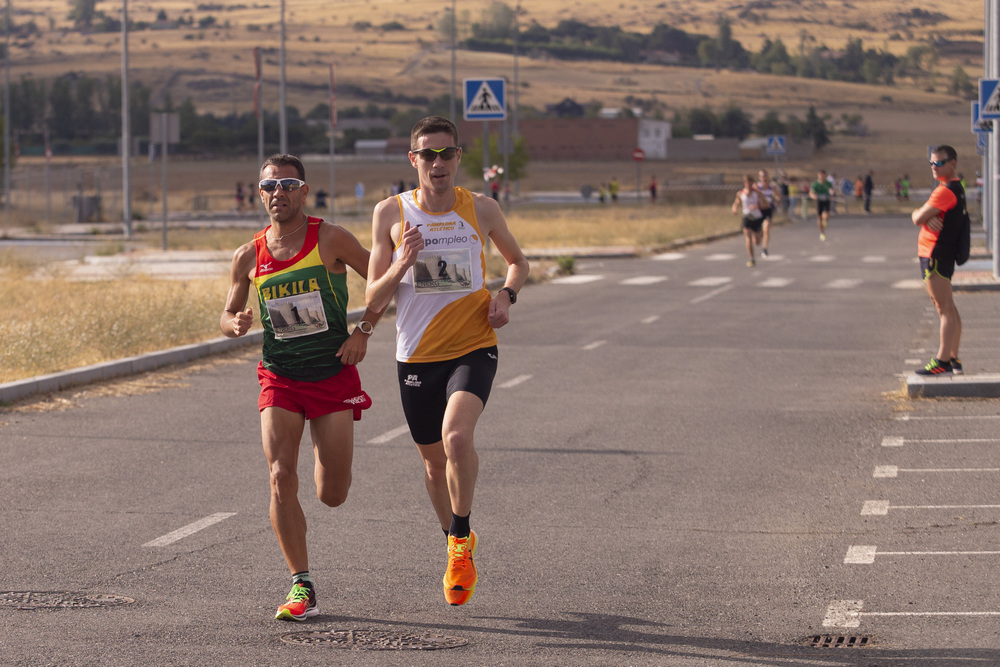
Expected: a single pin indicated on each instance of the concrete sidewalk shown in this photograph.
(970, 282)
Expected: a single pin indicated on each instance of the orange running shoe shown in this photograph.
(461, 576)
(300, 606)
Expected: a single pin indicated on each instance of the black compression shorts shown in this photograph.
(426, 387)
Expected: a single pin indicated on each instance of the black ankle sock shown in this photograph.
(459, 525)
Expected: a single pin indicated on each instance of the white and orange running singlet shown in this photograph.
(442, 304)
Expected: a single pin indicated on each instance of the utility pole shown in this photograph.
(282, 114)
(126, 130)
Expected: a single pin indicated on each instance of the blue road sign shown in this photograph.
(775, 144)
(989, 99)
(485, 99)
(980, 124)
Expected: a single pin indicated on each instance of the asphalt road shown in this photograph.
(684, 462)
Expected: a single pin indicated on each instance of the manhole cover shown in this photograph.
(373, 640)
(59, 600)
(839, 641)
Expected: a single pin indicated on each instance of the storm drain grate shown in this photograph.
(373, 640)
(839, 641)
(59, 600)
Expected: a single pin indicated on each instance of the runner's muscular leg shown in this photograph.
(281, 431)
(460, 418)
(436, 480)
(333, 447)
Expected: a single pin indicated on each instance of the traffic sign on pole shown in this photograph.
(485, 99)
(638, 154)
(980, 124)
(775, 144)
(989, 98)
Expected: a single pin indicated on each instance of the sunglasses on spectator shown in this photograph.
(431, 154)
(939, 163)
(286, 184)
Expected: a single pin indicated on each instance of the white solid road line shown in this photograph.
(865, 554)
(893, 471)
(893, 441)
(847, 613)
(913, 418)
(882, 507)
(189, 529)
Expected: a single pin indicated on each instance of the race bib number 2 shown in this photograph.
(443, 271)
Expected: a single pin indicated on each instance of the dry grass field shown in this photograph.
(214, 67)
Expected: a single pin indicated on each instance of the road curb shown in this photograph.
(954, 386)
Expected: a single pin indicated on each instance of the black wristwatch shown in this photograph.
(511, 293)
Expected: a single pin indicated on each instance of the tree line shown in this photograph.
(572, 39)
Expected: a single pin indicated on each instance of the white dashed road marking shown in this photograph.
(650, 319)
(389, 435)
(669, 256)
(873, 259)
(577, 279)
(822, 258)
(709, 295)
(909, 284)
(776, 282)
(720, 257)
(596, 344)
(514, 382)
(844, 283)
(643, 280)
(189, 529)
(710, 281)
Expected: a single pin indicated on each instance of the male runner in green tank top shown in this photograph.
(298, 266)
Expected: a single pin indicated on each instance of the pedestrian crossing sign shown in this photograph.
(979, 124)
(989, 99)
(485, 99)
(775, 144)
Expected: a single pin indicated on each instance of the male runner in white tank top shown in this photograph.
(428, 252)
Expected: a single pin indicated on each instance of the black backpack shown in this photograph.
(965, 230)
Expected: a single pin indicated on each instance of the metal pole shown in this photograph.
(486, 157)
(126, 130)
(258, 109)
(992, 32)
(991, 180)
(6, 114)
(454, 29)
(48, 175)
(164, 134)
(282, 115)
(515, 134)
(333, 125)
